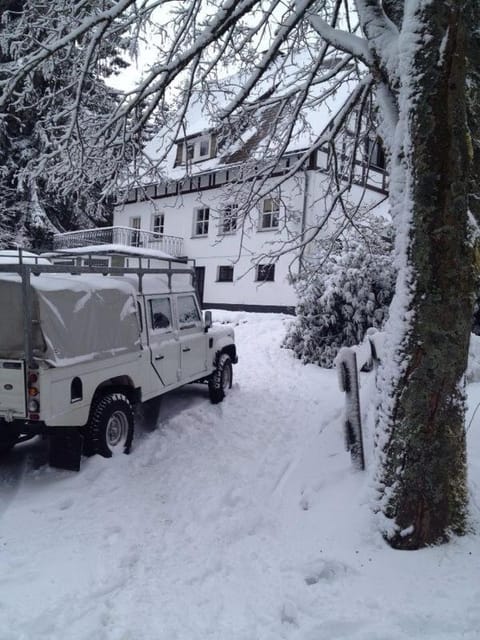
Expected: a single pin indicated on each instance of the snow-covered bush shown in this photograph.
(345, 288)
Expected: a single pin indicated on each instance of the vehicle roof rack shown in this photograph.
(109, 250)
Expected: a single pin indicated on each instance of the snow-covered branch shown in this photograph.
(342, 40)
(287, 55)
(381, 34)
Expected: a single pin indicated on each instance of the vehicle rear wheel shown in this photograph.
(220, 381)
(110, 429)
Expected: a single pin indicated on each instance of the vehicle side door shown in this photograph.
(164, 342)
(193, 340)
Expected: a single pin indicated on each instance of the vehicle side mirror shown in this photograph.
(207, 320)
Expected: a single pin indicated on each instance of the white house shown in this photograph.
(232, 247)
(215, 205)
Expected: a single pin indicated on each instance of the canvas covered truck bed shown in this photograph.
(75, 318)
(72, 361)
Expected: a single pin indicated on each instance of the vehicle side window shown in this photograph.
(188, 314)
(161, 313)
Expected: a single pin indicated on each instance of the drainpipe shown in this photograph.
(304, 218)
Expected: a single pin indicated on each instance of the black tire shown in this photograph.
(110, 429)
(221, 379)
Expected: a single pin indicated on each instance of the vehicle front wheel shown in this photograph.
(110, 429)
(220, 381)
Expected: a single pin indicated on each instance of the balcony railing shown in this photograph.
(124, 236)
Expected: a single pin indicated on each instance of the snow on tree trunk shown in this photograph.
(421, 475)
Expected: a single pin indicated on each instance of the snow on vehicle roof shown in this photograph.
(85, 282)
(11, 256)
(80, 317)
(109, 249)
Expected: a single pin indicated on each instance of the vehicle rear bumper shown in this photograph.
(17, 427)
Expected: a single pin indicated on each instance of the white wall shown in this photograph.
(243, 248)
(215, 249)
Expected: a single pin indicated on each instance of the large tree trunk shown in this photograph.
(473, 111)
(421, 436)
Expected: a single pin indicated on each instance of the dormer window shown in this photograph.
(195, 149)
(204, 147)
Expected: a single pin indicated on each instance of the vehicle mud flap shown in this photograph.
(148, 413)
(65, 450)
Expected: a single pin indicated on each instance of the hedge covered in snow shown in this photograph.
(345, 288)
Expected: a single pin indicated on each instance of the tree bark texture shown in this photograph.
(422, 478)
(473, 112)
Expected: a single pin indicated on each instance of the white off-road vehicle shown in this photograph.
(82, 345)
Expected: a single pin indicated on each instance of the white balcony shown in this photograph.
(123, 236)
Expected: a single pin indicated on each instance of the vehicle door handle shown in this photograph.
(186, 349)
(159, 357)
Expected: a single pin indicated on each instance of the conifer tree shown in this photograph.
(44, 187)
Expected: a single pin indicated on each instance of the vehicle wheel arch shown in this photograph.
(230, 350)
(120, 384)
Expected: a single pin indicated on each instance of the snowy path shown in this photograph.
(241, 521)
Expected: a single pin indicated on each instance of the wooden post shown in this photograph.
(346, 362)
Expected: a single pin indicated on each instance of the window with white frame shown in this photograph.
(270, 214)
(229, 219)
(158, 223)
(204, 147)
(265, 272)
(194, 150)
(225, 273)
(201, 219)
(134, 233)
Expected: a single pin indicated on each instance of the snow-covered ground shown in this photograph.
(240, 521)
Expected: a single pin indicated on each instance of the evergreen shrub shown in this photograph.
(345, 287)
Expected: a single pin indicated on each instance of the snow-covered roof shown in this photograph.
(252, 129)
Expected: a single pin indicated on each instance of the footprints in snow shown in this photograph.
(304, 503)
(326, 571)
(65, 504)
(322, 572)
(289, 615)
